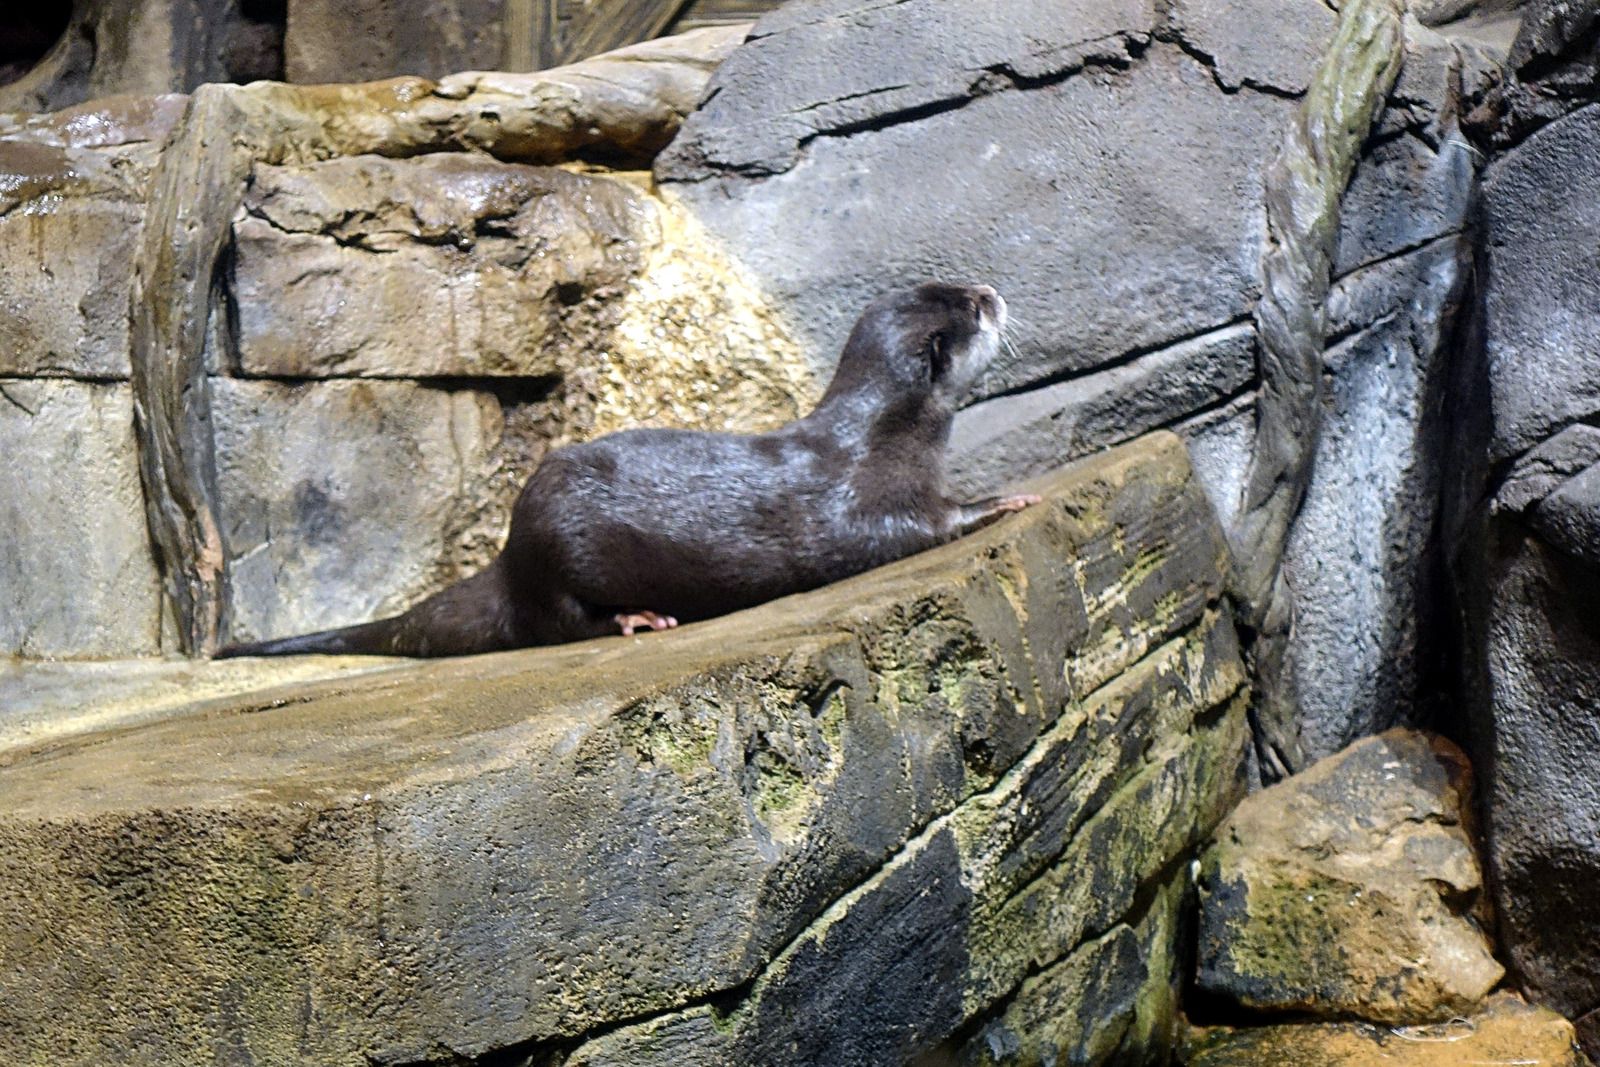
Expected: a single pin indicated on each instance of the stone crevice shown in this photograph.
(1173, 34)
(14, 402)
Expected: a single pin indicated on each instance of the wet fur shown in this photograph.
(694, 524)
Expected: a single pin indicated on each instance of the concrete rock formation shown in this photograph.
(906, 815)
(1352, 889)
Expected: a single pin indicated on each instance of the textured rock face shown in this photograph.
(72, 523)
(354, 488)
(1070, 175)
(445, 265)
(71, 203)
(339, 41)
(1531, 568)
(511, 307)
(1506, 1031)
(831, 830)
(1352, 888)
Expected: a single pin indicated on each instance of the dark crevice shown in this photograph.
(1220, 404)
(14, 402)
(28, 32)
(510, 391)
(1399, 253)
(1172, 34)
(253, 46)
(987, 81)
(552, 1052)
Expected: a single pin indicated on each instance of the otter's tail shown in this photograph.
(474, 615)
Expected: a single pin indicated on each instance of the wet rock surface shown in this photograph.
(832, 829)
(72, 189)
(1352, 888)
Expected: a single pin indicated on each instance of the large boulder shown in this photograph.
(1352, 889)
(847, 828)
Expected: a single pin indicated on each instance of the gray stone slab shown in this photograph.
(995, 441)
(1279, 53)
(1542, 288)
(1219, 447)
(1105, 241)
(344, 500)
(1360, 555)
(1538, 738)
(75, 559)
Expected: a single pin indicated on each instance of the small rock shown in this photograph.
(1506, 1032)
(1352, 889)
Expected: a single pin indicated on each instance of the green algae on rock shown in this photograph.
(1353, 889)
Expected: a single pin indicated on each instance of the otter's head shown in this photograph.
(928, 343)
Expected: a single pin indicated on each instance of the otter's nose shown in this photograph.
(991, 301)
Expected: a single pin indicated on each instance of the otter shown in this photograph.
(647, 528)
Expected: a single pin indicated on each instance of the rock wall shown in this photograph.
(394, 330)
(1104, 170)
(86, 49)
(1529, 501)
(1102, 165)
(945, 809)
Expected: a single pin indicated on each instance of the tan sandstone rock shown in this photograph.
(1353, 888)
(1506, 1033)
(72, 191)
(446, 265)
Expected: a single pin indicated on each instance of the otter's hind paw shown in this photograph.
(632, 620)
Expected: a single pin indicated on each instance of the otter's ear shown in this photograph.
(938, 356)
